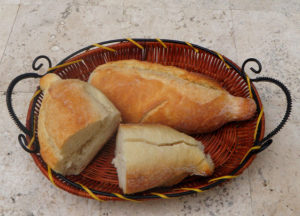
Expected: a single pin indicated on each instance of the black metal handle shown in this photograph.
(24, 144)
(288, 106)
(36, 68)
(13, 84)
(9, 99)
(21, 137)
(252, 69)
(266, 141)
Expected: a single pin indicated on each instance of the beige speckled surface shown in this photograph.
(8, 15)
(268, 30)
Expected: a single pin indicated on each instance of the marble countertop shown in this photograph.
(265, 29)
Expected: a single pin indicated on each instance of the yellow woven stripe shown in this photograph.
(135, 43)
(258, 120)
(221, 57)
(125, 198)
(64, 65)
(33, 135)
(192, 189)
(249, 86)
(90, 193)
(251, 149)
(50, 176)
(161, 195)
(34, 125)
(162, 43)
(104, 47)
(35, 94)
(190, 45)
(222, 177)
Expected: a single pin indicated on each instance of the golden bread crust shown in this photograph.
(75, 120)
(152, 93)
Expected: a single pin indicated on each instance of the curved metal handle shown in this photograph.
(288, 107)
(252, 69)
(266, 141)
(36, 68)
(9, 99)
(13, 84)
(21, 137)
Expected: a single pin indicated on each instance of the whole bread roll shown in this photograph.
(152, 155)
(152, 93)
(75, 121)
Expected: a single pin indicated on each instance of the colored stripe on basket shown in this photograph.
(249, 86)
(251, 149)
(90, 192)
(34, 124)
(124, 198)
(135, 43)
(192, 189)
(104, 47)
(161, 195)
(258, 121)
(50, 175)
(66, 64)
(190, 45)
(35, 94)
(162, 43)
(222, 177)
(221, 57)
(33, 135)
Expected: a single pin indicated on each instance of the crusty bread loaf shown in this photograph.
(152, 155)
(75, 121)
(152, 93)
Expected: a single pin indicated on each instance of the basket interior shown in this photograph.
(227, 146)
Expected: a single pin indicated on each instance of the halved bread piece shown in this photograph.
(75, 121)
(152, 155)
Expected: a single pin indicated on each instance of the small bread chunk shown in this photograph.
(152, 155)
(75, 121)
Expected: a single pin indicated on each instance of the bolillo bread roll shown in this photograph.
(75, 121)
(152, 155)
(152, 93)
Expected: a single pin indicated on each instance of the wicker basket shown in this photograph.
(232, 147)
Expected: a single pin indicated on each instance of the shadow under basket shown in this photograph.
(232, 148)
